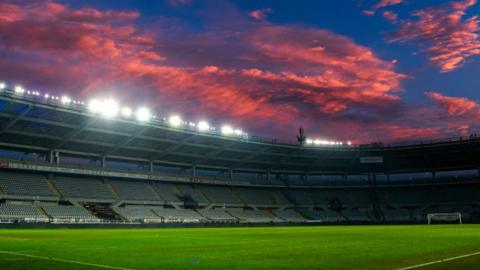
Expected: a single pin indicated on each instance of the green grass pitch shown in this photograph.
(323, 247)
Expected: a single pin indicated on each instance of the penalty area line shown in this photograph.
(63, 260)
(439, 261)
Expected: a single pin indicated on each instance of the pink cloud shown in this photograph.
(260, 14)
(455, 106)
(447, 38)
(368, 12)
(386, 3)
(266, 78)
(390, 16)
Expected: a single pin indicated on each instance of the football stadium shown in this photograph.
(137, 192)
(206, 134)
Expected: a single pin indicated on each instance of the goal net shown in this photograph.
(444, 218)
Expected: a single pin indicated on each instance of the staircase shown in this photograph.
(52, 186)
(43, 212)
(112, 189)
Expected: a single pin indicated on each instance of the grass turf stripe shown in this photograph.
(439, 261)
(63, 260)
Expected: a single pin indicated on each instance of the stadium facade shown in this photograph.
(62, 163)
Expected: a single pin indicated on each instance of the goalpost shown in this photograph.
(444, 217)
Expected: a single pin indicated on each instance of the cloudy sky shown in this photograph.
(360, 70)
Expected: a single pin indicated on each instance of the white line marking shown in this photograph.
(440, 261)
(62, 260)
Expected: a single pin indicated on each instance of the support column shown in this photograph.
(57, 157)
(51, 156)
(194, 171)
(103, 162)
(150, 166)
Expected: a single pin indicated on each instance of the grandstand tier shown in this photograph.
(64, 164)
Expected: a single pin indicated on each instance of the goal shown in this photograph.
(444, 218)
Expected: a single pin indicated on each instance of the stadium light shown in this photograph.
(143, 114)
(109, 108)
(227, 130)
(19, 90)
(65, 100)
(175, 120)
(3, 85)
(238, 132)
(126, 112)
(203, 126)
(95, 105)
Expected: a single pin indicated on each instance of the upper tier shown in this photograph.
(32, 124)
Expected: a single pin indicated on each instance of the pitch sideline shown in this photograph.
(62, 260)
(439, 261)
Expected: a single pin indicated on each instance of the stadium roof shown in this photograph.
(36, 125)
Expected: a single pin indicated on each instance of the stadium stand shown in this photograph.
(115, 174)
(166, 192)
(188, 192)
(83, 188)
(290, 215)
(254, 196)
(219, 195)
(301, 197)
(178, 215)
(254, 216)
(24, 184)
(20, 211)
(134, 190)
(134, 213)
(65, 212)
(217, 214)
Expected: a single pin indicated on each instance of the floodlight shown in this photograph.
(349, 143)
(109, 108)
(66, 100)
(143, 114)
(19, 90)
(238, 132)
(46, 96)
(3, 85)
(309, 141)
(203, 126)
(227, 130)
(175, 120)
(126, 112)
(95, 105)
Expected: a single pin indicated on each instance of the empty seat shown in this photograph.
(67, 211)
(190, 193)
(20, 211)
(24, 184)
(166, 192)
(219, 194)
(134, 190)
(136, 212)
(217, 214)
(289, 215)
(251, 215)
(255, 196)
(83, 188)
(185, 215)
